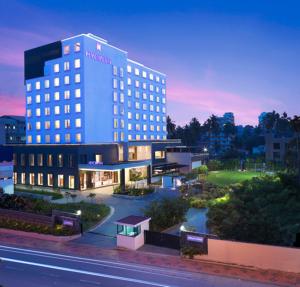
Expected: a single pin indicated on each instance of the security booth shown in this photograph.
(130, 231)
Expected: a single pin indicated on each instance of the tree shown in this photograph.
(295, 123)
(171, 128)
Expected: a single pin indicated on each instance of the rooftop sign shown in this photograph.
(97, 57)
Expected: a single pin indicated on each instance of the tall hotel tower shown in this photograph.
(84, 90)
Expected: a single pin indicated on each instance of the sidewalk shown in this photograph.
(155, 259)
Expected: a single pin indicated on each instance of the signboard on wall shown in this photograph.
(97, 57)
(95, 162)
(197, 240)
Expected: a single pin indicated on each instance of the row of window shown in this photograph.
(145, 117)
(56, 82)
(139, 127)
(57, 68)
(57, 124)
(38, 179)
(57, 110)
(44, 160)
(145, 137)
(138, 96)
(57, 138)
(144, 74)
(56, 96)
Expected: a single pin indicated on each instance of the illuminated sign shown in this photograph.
(96, 162)
(97, 57)
(68, 222)
(195, 238)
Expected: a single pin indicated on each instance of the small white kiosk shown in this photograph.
(130, 231)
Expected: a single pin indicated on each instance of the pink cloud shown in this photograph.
(11, 105)
(213, 101)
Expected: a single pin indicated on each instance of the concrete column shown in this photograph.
(149, 173)
(122, 180)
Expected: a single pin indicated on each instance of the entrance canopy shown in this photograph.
(114, 166)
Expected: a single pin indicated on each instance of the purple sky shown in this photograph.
(219, 56)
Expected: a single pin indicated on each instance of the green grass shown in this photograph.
(55, 195)
(225, 177)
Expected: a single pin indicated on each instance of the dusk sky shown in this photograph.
(219, 56)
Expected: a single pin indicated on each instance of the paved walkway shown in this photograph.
(158, 260)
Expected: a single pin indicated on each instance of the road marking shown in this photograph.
(124, 266)
(121, 278)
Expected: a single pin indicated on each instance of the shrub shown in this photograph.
(190, 251)
(214, 165)
(203, 169)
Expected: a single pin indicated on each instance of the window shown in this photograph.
(38, 139)
(50, 160)
(122, 85)
(77, 63)
(129, 115)
(50, 179)
(144, 127)
(28, 87)
(29, 100)
(78, 137)
(159, 154)
(115, 96)
(29, 139)
(151, 76)
(122, 136)
(129, 69)
(77, 78)
(122, 124)
(38, 125)
(28, 113)
(276, 145)
(56, 82)
(47, 97)
(57, 138)
(37, 99)
(56, 96)
(60, 180)
(67, 94)
(115, 109)
(128, 81)
(60, 160)
(77, 93)
(47, 138)
(121, 72)
(71, 182)
(56, 68)
(67, 138)
(78, 108)
(144, 74)
(122, 98)
(137, 94)
(129, 93)
(47, 111)
(98, 46)
(77, 47)
(78, 123)
(136, 71)
(57, 110)
(66, 80)
(40, 179)
(47, 84)
(57, 124)
(115, 123)
(47, 125)
(23, 178)
(31, 178)
(23, 161)
(37, 85)
(144, 86)
(137, 116)
(66, 66)
(115, 83)
(67, 124)
(115, 136)
(38, 112)
(151, 88)
(157, 78)
(66, 50)
(137, 83)
(67, 109)
(70, 160)
(115, 71)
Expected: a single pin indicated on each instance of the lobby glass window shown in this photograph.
(47, 97)
(60, 160)
(67, 66)
(56, 68)
(77, 63)
(78, 108)
(31, 159)
(77, 47)
(66, 80)
(15, 177)
(67, 94)
(159, 154)
(50, 160)
(23, 178)
(77, 78)
(66, 50)
(38, 85)
(40, 179)
(50, 179)
(71, 181)
(31, 178)
(60, 180)
(77, 93)
(78, 123)
(56, 82)
(57, 138)
(130, 231)
(78, 137)
(22, 159)
(29, 100)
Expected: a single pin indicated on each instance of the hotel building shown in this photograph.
(84, 90)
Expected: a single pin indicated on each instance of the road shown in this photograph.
(30, 268)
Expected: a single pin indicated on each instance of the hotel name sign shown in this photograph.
(97, 57)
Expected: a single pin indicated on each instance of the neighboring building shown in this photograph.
(6, 170)
(12, 130)
(84, 90)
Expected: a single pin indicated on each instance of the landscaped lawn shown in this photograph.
(226, 177)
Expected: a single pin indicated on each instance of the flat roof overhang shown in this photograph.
(115, 166)
(132, 220)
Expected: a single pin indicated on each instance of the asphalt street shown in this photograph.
(29, 268)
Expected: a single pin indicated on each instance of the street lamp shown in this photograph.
(78, 212)
(205, 149)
